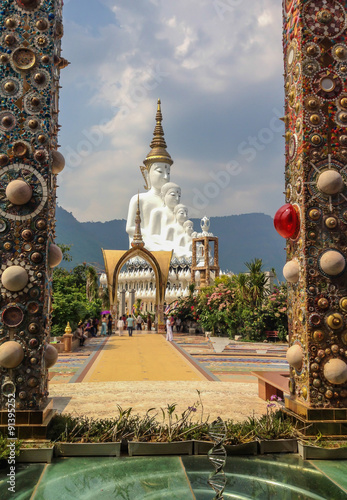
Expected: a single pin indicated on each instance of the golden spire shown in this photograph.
(158, 152)
(137, 238)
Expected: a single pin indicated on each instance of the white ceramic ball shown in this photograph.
(335, 371)
(330, 182)
(55, 255)
(295, 356)
(14, 278)
(58, 162)
(291, 271)
(11, 354)
(332, 262)
(18, 192)
(51, 356)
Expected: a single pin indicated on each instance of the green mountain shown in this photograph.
(241, 239)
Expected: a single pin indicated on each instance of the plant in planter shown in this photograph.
(173, 435)
(81, 436)
(275, 430)
(82, 429)
(36, 452)
(322, 449)
(240, 437)
(5, 450)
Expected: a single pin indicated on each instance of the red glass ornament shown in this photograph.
(287, 221)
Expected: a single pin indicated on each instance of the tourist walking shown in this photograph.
(109, 324)
(120, 325)
(130, 325)
(169, 334)
(139, 321)
(103, 332)
(178, 324)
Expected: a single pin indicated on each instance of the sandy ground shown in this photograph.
(100, 399)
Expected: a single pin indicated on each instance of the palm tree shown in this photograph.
(105, 297)
(241, 285)
(258, 282)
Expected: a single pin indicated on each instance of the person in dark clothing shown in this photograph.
(95, 327)
(149, 323)
(89, 328)
(109, 325)
(80, 333)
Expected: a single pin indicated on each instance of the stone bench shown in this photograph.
(272, 383)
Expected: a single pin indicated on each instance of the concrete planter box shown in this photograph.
(203, 447)
(87, 449)
(250, 448)
(35, 455)
(309, 452)
(278, 446)
(175, 448)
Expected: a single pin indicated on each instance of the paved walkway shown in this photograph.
(145, 371)
(140, 357)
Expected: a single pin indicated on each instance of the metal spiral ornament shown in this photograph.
(217, 456)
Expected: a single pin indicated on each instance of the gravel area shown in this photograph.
(100, 399)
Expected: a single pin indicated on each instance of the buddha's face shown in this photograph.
(159, 174)
(172, 197)
(189, 228)
(181, 215)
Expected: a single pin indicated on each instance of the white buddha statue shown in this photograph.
(158, 175)
(188, 227)
(186, 239)
(156, 172)
(176, 230)
(183, 246)
(161, 218)
(162, 215)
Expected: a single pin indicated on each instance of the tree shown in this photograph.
(70, 301)
(240, 283)
(66, 251)
(91, 283)
(105, 298)
(257, 282)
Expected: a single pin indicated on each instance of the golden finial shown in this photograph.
(137, 238)
(68, 329)
(158, 152)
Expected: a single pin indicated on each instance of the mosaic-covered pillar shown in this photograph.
(30, 63)
(314, 220)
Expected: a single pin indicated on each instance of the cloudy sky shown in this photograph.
(217, 67)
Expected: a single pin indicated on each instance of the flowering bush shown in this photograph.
(242, 304)
(216, 306)
(186, 309)
(274, 312)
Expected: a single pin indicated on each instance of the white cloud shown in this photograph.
(218, 78)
